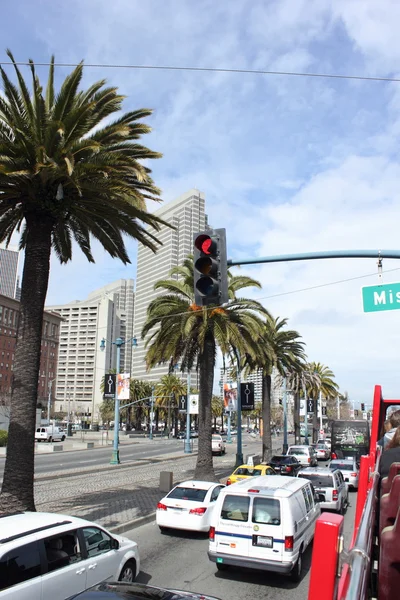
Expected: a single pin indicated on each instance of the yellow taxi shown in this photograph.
(246, 471)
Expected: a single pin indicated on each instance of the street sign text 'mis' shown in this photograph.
(381, 297)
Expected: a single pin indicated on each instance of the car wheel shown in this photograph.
(63, 438)
(128, 572)
(341, 511)
(163, 529)
(221, 566)
(295, 573)
(50, 439)
(221, 453)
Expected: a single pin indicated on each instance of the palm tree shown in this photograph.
(65, 176)
(326, 387)
(281, 349)
(139, 389)
(182, 332)
(168, 390)
(216, 409)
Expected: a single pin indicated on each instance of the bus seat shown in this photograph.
(387, 481)
(390, 505)
(389, 562)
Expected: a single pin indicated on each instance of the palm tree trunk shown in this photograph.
(315, 422)
(17, 490)
(296, 417)
(204, 466)
(266, 414)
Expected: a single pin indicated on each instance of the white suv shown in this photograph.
(45, 556)
(329, 486)
(305, 455)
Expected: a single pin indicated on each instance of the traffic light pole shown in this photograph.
(317, 256)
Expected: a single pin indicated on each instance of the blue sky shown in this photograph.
(288, 164)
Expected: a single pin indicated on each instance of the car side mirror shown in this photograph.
(114, 544)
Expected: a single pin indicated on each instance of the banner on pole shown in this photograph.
(230, 397)
(109, 385)
(194, 404)
(123, 383)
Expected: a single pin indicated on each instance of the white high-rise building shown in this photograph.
(187, 215)
(9, 281)
(106, 313)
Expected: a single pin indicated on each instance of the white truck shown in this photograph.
(49, 433)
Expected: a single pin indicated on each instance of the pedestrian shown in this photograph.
(391, 454)
(386, 427)
(394, 421)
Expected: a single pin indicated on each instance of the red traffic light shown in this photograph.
(205, 244)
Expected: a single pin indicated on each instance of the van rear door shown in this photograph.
(267, 540)
(233, 531)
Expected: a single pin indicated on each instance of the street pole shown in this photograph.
(69, 414)
(239, 450)
(49, 402)
(320, 411)
(151, 413)
(306, 442)
(338, 407)
(284, 402)
(229, 436)
(115, 453)
(187, 448)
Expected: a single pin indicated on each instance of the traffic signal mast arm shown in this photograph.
(317, 255)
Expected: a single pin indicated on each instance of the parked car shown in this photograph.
(188, 506)
(285, 465)
(349, 469)
(136, 591)
(49, 434)
(246, 471)
(304, 454)
(45, 556)
(217, 445)
(181, 435)
(330, 487)
(322, 451)
(264, 523)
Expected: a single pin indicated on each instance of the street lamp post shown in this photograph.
(284, 402)
(187, 448)
(151, 413)
(306, 418)
(239, 450)
(69, 432)
(49, 399)
(119, 342)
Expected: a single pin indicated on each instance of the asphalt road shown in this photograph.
(179, 560)
(48, 463)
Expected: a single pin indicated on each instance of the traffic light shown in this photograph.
(210, 267)
(362, 406)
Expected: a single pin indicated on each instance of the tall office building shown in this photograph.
(106, 313)
(9, 262)
(187, 215)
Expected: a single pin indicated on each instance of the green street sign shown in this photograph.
(381, 297)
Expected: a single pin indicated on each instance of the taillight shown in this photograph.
(333, 456)
(254, 491)
(288, 469)
(288, 543)
(161, 506)
(211, 534)
(228, 482)
(353, 474)
(309, 459)
(334, 495)
(198, 511)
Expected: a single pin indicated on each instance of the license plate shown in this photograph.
(264, 541)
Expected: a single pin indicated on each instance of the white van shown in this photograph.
(49, 434)
(264, 523)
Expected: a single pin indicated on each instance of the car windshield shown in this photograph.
(297, 451)
(249, 471)
(185, 493)
(318, 480)
(320, 447)
(217, 437)
(342, 466)
(282, 459)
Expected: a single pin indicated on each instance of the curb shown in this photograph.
(133, 524)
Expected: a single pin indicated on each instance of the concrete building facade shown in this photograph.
(187, 215)
(106, 313)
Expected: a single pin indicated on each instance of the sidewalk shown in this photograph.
(123, 497)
